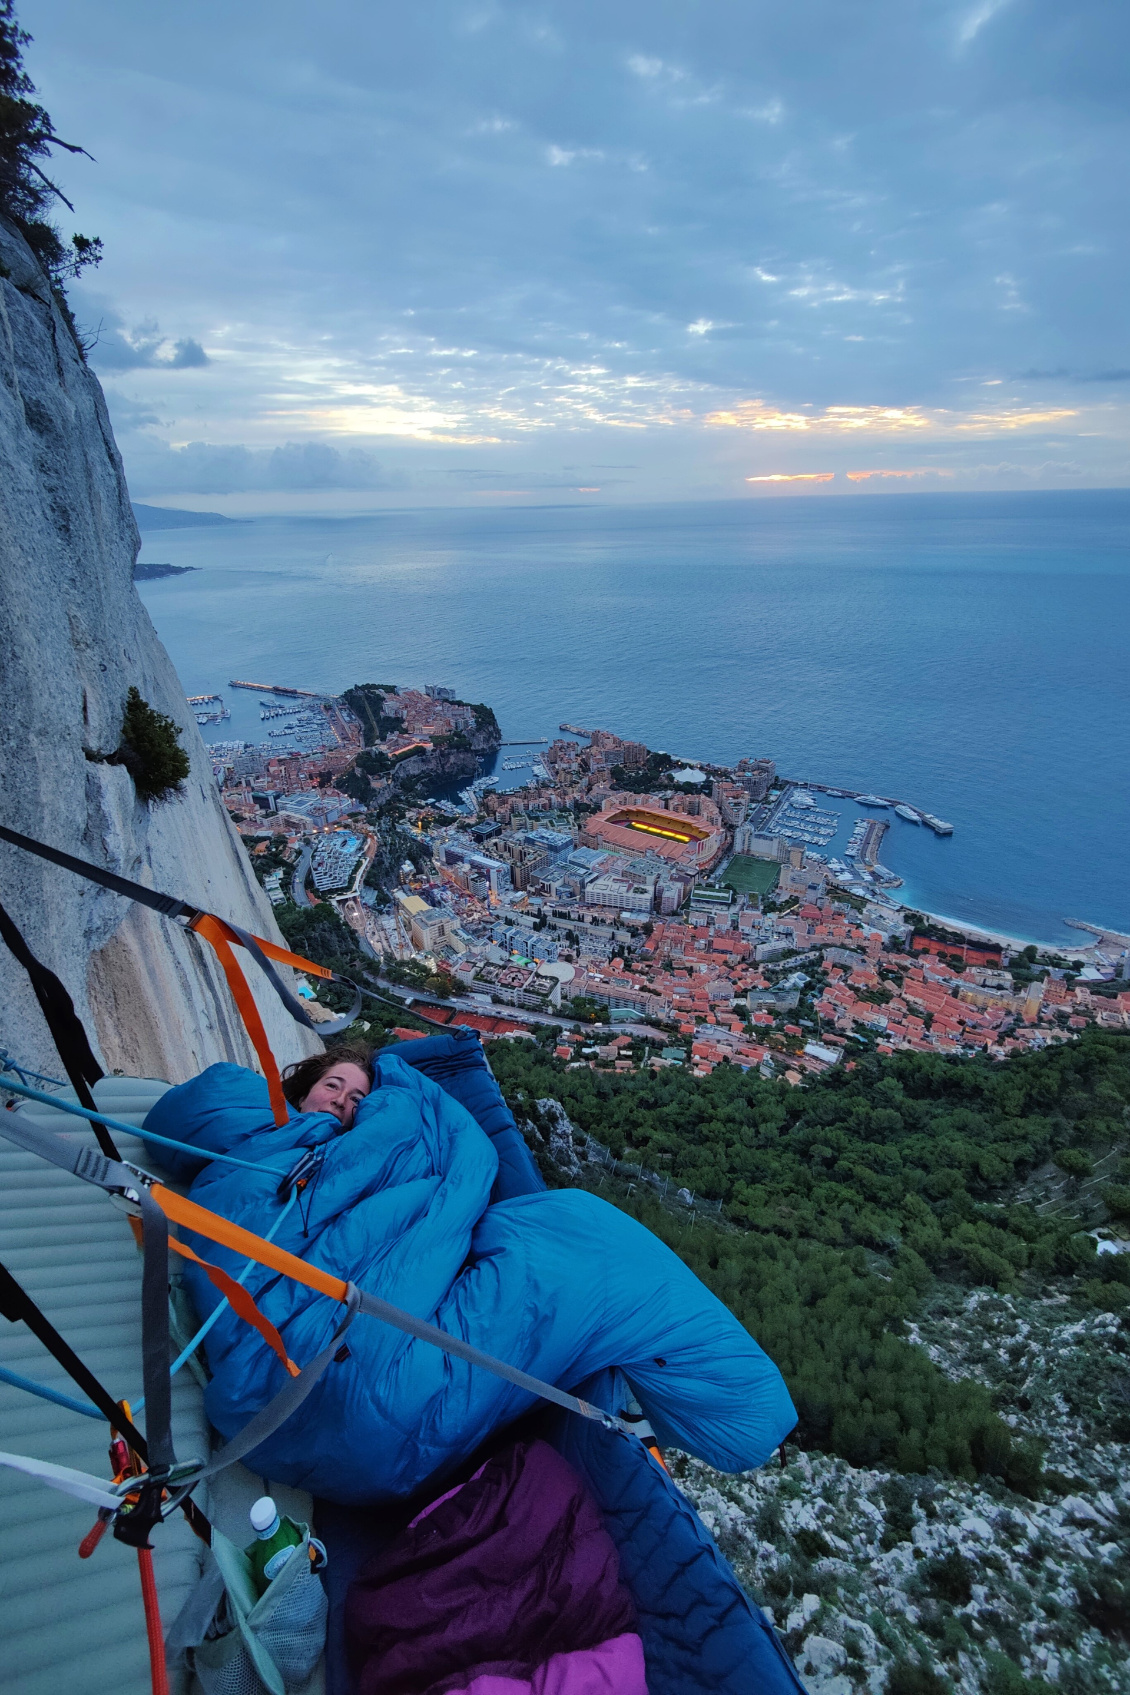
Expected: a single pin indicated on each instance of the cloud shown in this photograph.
(204, 468)
(794, 477)
(128, 415)
(923, 471)
(756, 415)
(880, 420)
(930, 192)
(560, 156)
(120, 349)
(974, 22)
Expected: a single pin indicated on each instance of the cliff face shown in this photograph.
(75, 637)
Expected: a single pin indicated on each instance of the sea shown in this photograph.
(966, 653)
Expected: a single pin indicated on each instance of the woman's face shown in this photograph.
(338, 1091)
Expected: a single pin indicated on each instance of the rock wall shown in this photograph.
(75, 636)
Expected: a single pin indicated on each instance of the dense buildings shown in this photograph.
(594, 890)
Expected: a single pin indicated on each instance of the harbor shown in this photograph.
(910, 814)
(274, 688)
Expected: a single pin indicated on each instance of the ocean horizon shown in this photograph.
(961, 652)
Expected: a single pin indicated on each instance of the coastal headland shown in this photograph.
(618, 883)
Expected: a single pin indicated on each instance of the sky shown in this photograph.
(473, 252)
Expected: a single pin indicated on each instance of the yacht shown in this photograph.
(908, 813)
(871, 800)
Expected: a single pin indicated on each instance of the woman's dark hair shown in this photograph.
(299, 1079)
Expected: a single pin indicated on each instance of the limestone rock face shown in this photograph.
(74, 636)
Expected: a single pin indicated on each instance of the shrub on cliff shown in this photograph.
(150, 750)
(26, 136)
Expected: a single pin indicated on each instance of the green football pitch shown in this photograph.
(749, 876)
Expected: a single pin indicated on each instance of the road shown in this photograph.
(461, 1004)
(298, 881)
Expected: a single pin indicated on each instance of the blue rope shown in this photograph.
(25, 1073)
(19, 1382)
(131, 1130)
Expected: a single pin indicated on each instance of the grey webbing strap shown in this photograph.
(412, 1326)
(289, 1398)
(332, 1027)
(155, 1335)
(291, 1002)
(79, 1158)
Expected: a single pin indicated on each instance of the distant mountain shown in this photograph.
(172, 518)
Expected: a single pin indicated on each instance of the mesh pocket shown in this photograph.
(223, 1667)
(274, 1644)
(294, 1630)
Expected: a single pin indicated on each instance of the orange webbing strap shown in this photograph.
(271, 949)
(240, 1302)
(214, 930)
(238, 1298)
(234, 1236)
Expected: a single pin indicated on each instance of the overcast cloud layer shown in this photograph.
(363, 254)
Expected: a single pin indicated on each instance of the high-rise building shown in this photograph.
(756, 777)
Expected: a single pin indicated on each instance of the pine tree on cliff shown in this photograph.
(26, 136)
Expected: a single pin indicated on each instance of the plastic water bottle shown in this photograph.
(275, 1541)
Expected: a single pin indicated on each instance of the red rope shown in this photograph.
(157, 1670)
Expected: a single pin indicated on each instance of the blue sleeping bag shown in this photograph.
(559, 1283)
(702, 1633)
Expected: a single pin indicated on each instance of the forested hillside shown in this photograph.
(844, 1203)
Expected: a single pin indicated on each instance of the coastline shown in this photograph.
(979, 932)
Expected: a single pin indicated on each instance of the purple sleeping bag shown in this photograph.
(506, 1585)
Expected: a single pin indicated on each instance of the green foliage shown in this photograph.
(395, 845)
(320, 934)
(949, 1578)
(853, 1193)
(643, 779)
(898, 1498)
(907, 1678)
(415, 975)
(1077, 1162)
(1104, 1597)
(1004, 1677)
(486, 724)
(366, 701)
(150, 750)
(27, 135)
(911, 1154)
(1117, 1199)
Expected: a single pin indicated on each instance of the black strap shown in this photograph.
(169, 905)
(66, 1029)
(16, 1303)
